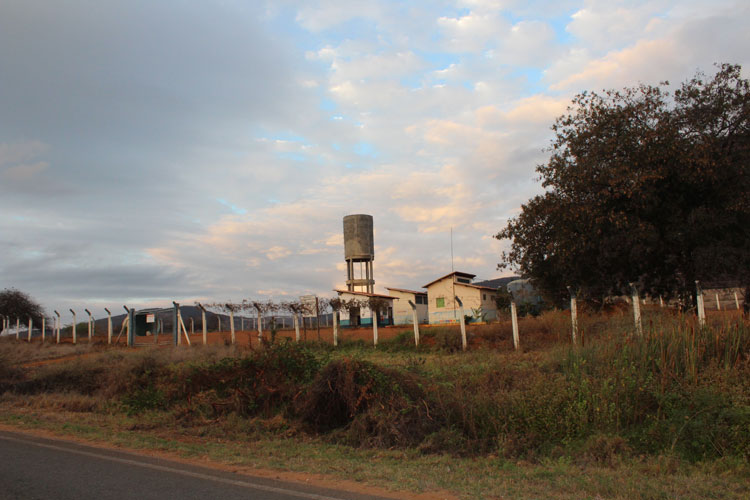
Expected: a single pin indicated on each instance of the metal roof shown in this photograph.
(404, 290)
(365, 294)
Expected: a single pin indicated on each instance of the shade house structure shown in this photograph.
(151, 322)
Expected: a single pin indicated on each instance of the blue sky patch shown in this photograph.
(327, 104)
(560, 24)
(365, 149)
(232, 207)
(438, 60)
(289, 155)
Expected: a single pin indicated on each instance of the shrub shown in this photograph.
(263, 382)
(370, 405)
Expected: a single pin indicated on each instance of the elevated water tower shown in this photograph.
(359, 252)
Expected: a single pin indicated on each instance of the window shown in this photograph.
(421, 299)
(463, 280)
(484, 296)
(440, 302)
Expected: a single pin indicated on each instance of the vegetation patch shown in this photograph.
(368, 405)
(679, 390)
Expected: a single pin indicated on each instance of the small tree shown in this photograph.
(295, 308)
(644, 186)
(261, 308)
(230, 308)
(377, 305)
(17, 304)
(336, 305)
(351, 306)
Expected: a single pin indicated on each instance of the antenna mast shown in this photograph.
(452, 270)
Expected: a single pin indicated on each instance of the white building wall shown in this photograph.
(402, 314)
(472, 298)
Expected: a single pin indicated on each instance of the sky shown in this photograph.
(195, 150)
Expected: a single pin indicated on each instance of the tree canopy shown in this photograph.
(642, 185)
(16, 304)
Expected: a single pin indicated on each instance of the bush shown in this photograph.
(263, 382)
(370, 405)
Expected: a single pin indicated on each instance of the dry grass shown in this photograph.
(643, 418)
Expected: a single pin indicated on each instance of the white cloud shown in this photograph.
(472, 32)
(429, 116)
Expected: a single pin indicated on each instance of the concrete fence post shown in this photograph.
(699, 303)
(58, 326)
(109, 326)
(736, 301)
(31, 328)
(661, 301)
(18, 328)
(574, 314)
(317, 318)
(218, 319)
(131, 326)
(375, 328)
(176, 337)
(44, 325)
(75, 327)
(231, 324)
(718, 304)
(295, 317)
(260, 325)
(636, 310)
(415, 320)
(89, 324)
(462, 321)
(335, 328)
(203, 323)
(514, 322)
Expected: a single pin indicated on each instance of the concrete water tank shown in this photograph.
(359, 244)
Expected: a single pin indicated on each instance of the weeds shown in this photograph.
(369, 405)
(679, 390)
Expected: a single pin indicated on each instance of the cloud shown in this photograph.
(538, 110)
(471, 32)
(21, 170)
(672, 52)
(149, 153)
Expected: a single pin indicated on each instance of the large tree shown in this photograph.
(642, 185)
(15, 304)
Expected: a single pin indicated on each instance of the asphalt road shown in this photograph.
(34, 468)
